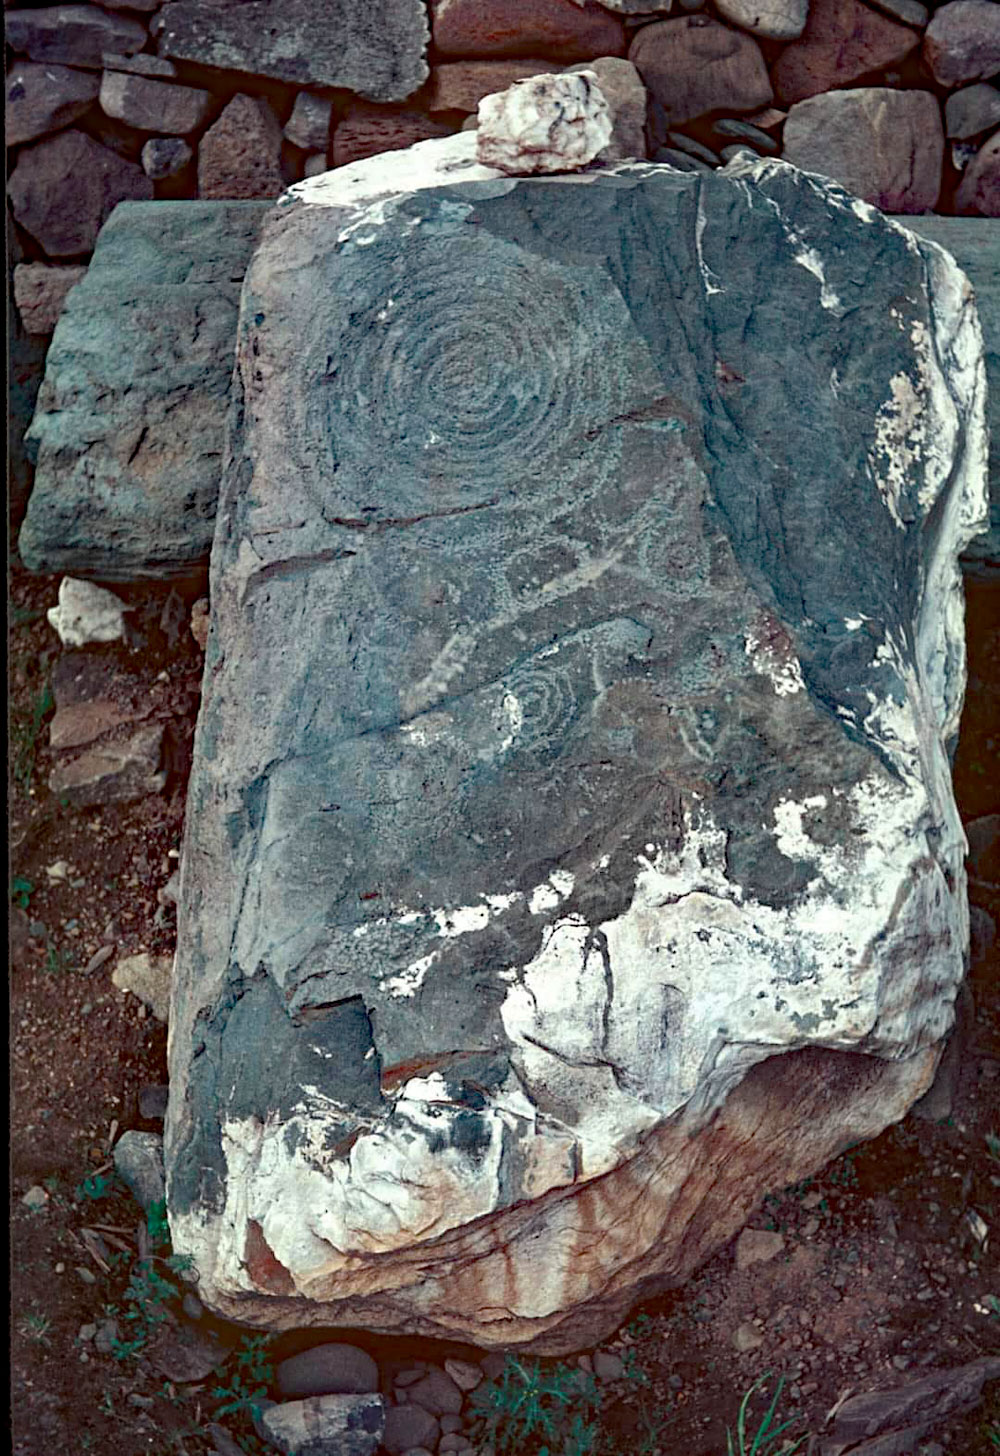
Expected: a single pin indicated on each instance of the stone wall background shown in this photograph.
(238, 98)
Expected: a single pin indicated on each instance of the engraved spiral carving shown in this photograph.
(469, 364)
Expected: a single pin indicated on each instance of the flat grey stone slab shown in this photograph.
(128, 427)
(375, 49)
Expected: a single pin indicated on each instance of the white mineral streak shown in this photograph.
(87, 613)
(555, 123)
(784, 672)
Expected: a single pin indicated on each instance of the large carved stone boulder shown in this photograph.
(571, 855)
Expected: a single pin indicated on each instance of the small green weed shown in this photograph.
(764, 1441)
(94, 1187)
(58, 960)
(993, 1146)
(36, 1327)
(844, 1175)
(25, 729)
(21, 891)
(156, 1223)
(148, 1298)
(248, 1383)
(543, 1411)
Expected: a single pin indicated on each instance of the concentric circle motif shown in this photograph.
(547, 706)
(468, 364)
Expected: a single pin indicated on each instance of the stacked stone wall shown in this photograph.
(235, 99)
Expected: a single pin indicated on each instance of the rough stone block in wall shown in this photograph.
(128, 427)
(76, 35)
(43, 98)
(979, 191)
(240, 155)
(365, 130)
(694, 65)
(63, 188)
(843, 39)
(150, 105)
(40, 292)
(885, 146)
(962, 42)
(375, 49)
(560, 30)
(570, 843)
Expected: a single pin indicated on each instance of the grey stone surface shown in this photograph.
(78, 35)
(886, 146)
(310, 122)
(165, 157)
(971, 111)
(911, 1410)
(63, 189)
(975, 244)
(128, 429)
(376, 49)
(575, 729)
(150, 105)
(333, 1368)
(139, 1164)
(41, 98)
(326, 1425)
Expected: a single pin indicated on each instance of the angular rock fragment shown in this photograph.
(165, 157)
(151, 105)
(87, 613)
(128, 427)
(570, 826)
(885, 146)
(693, 65)
(139, 1164)
(43, 98)
(376, 49)
(64, 188)
(546, 124)
(240, 155)
(148, 977)
(114, 773)
(309, 124)
(326, 1425)
(77, 35)
(40, 292)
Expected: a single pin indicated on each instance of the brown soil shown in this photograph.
(880, 1276)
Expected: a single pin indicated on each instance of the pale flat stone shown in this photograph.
(40, 291)
(148, 977)
(555, 123)
(757, 1246)
(885, 146)
(775, 19)
(113, 773)
(87, 613)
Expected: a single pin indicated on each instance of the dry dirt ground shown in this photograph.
(885, 1269)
